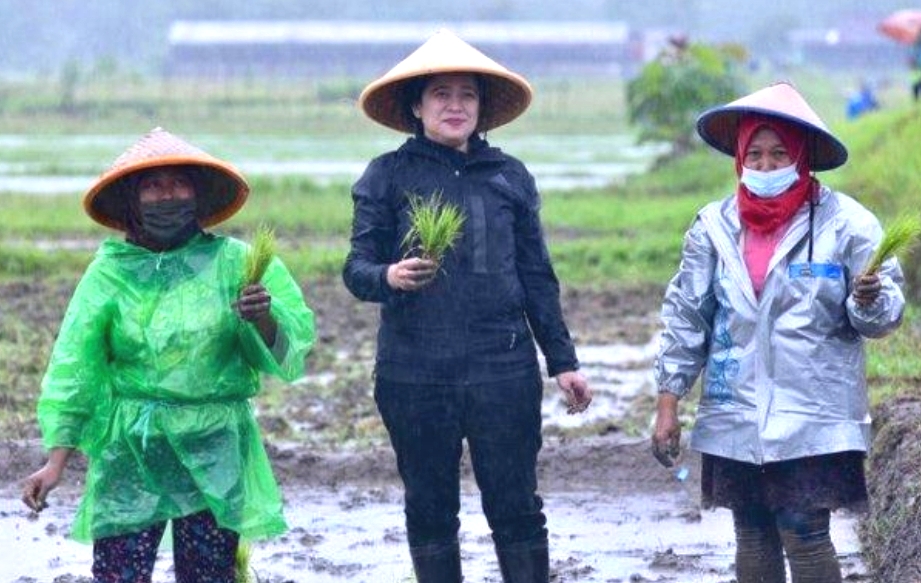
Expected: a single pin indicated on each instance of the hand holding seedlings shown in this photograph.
(411, 274)
(897, 239)
(866, 289)
(435, 226)
(253, 303)
(575, 387)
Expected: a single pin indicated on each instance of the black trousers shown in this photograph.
(501, 423)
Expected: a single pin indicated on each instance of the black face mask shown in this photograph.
(169, 223)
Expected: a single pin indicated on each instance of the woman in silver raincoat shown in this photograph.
(771, 307)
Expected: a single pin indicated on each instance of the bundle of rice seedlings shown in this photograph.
(260, 254)
(435, 225)
(242, 571)
(898, 237)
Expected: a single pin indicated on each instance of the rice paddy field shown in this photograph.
(614, 213)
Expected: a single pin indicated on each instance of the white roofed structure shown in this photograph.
(361, 48)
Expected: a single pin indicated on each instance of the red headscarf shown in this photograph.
(766, 215)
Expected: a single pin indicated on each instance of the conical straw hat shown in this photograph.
(225, 188)
(719, 126)
(508, 94)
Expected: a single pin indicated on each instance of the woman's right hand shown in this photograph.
(867, 288)
(666, 439)
(36, 487)
(411, 274)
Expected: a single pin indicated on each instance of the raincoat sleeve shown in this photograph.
(296, 331)
(687, 315)
(374, 233)
(885, 314)
(75, 397)
(541, 287)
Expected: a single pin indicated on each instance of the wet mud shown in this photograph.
(614, 514)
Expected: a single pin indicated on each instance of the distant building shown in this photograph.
(350, 48)
(846, 48)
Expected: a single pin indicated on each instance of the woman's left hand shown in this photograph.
(578, 394)
(866, 289)
(254, 303)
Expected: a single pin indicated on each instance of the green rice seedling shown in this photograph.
(243, 573)
(435, 225)
(898, 237)
(259, 255)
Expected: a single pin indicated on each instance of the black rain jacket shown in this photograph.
(496, 291)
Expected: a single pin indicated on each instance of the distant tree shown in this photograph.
(682, 81)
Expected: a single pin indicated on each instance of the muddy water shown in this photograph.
(356, 535)
(558, 162)
(549, 176)
(613, 524)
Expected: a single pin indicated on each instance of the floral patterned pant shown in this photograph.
(203, 552)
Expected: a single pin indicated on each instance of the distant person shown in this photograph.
(770, 304)
(151, 375)
(914, 63)
(861, 101)
(456, 355)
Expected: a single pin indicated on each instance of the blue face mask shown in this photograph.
(769, 184)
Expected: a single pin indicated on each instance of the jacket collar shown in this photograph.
(479, 152)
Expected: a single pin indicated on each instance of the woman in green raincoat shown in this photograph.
(151, 376)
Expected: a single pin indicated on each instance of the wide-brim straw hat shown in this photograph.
(508, 94)
(223, 188)
(719, 126)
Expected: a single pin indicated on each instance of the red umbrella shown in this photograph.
(902, 25)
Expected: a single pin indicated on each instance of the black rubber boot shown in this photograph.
(437, 563)
(809, 548)
(811, 560)
(527, 562)
(759, 556)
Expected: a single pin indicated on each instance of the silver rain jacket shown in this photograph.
(782, 376)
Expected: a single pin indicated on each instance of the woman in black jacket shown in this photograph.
(456, 354)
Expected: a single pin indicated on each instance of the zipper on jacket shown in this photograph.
(807, 269)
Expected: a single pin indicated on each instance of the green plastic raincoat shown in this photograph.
(151, 377)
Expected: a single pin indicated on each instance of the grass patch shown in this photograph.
(19, 262)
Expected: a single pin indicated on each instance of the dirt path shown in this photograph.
(614, 514)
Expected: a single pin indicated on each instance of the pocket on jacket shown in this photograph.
(819, 286)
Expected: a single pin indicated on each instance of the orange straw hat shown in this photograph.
(224, 190)
(508, 94)
(719, 126)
